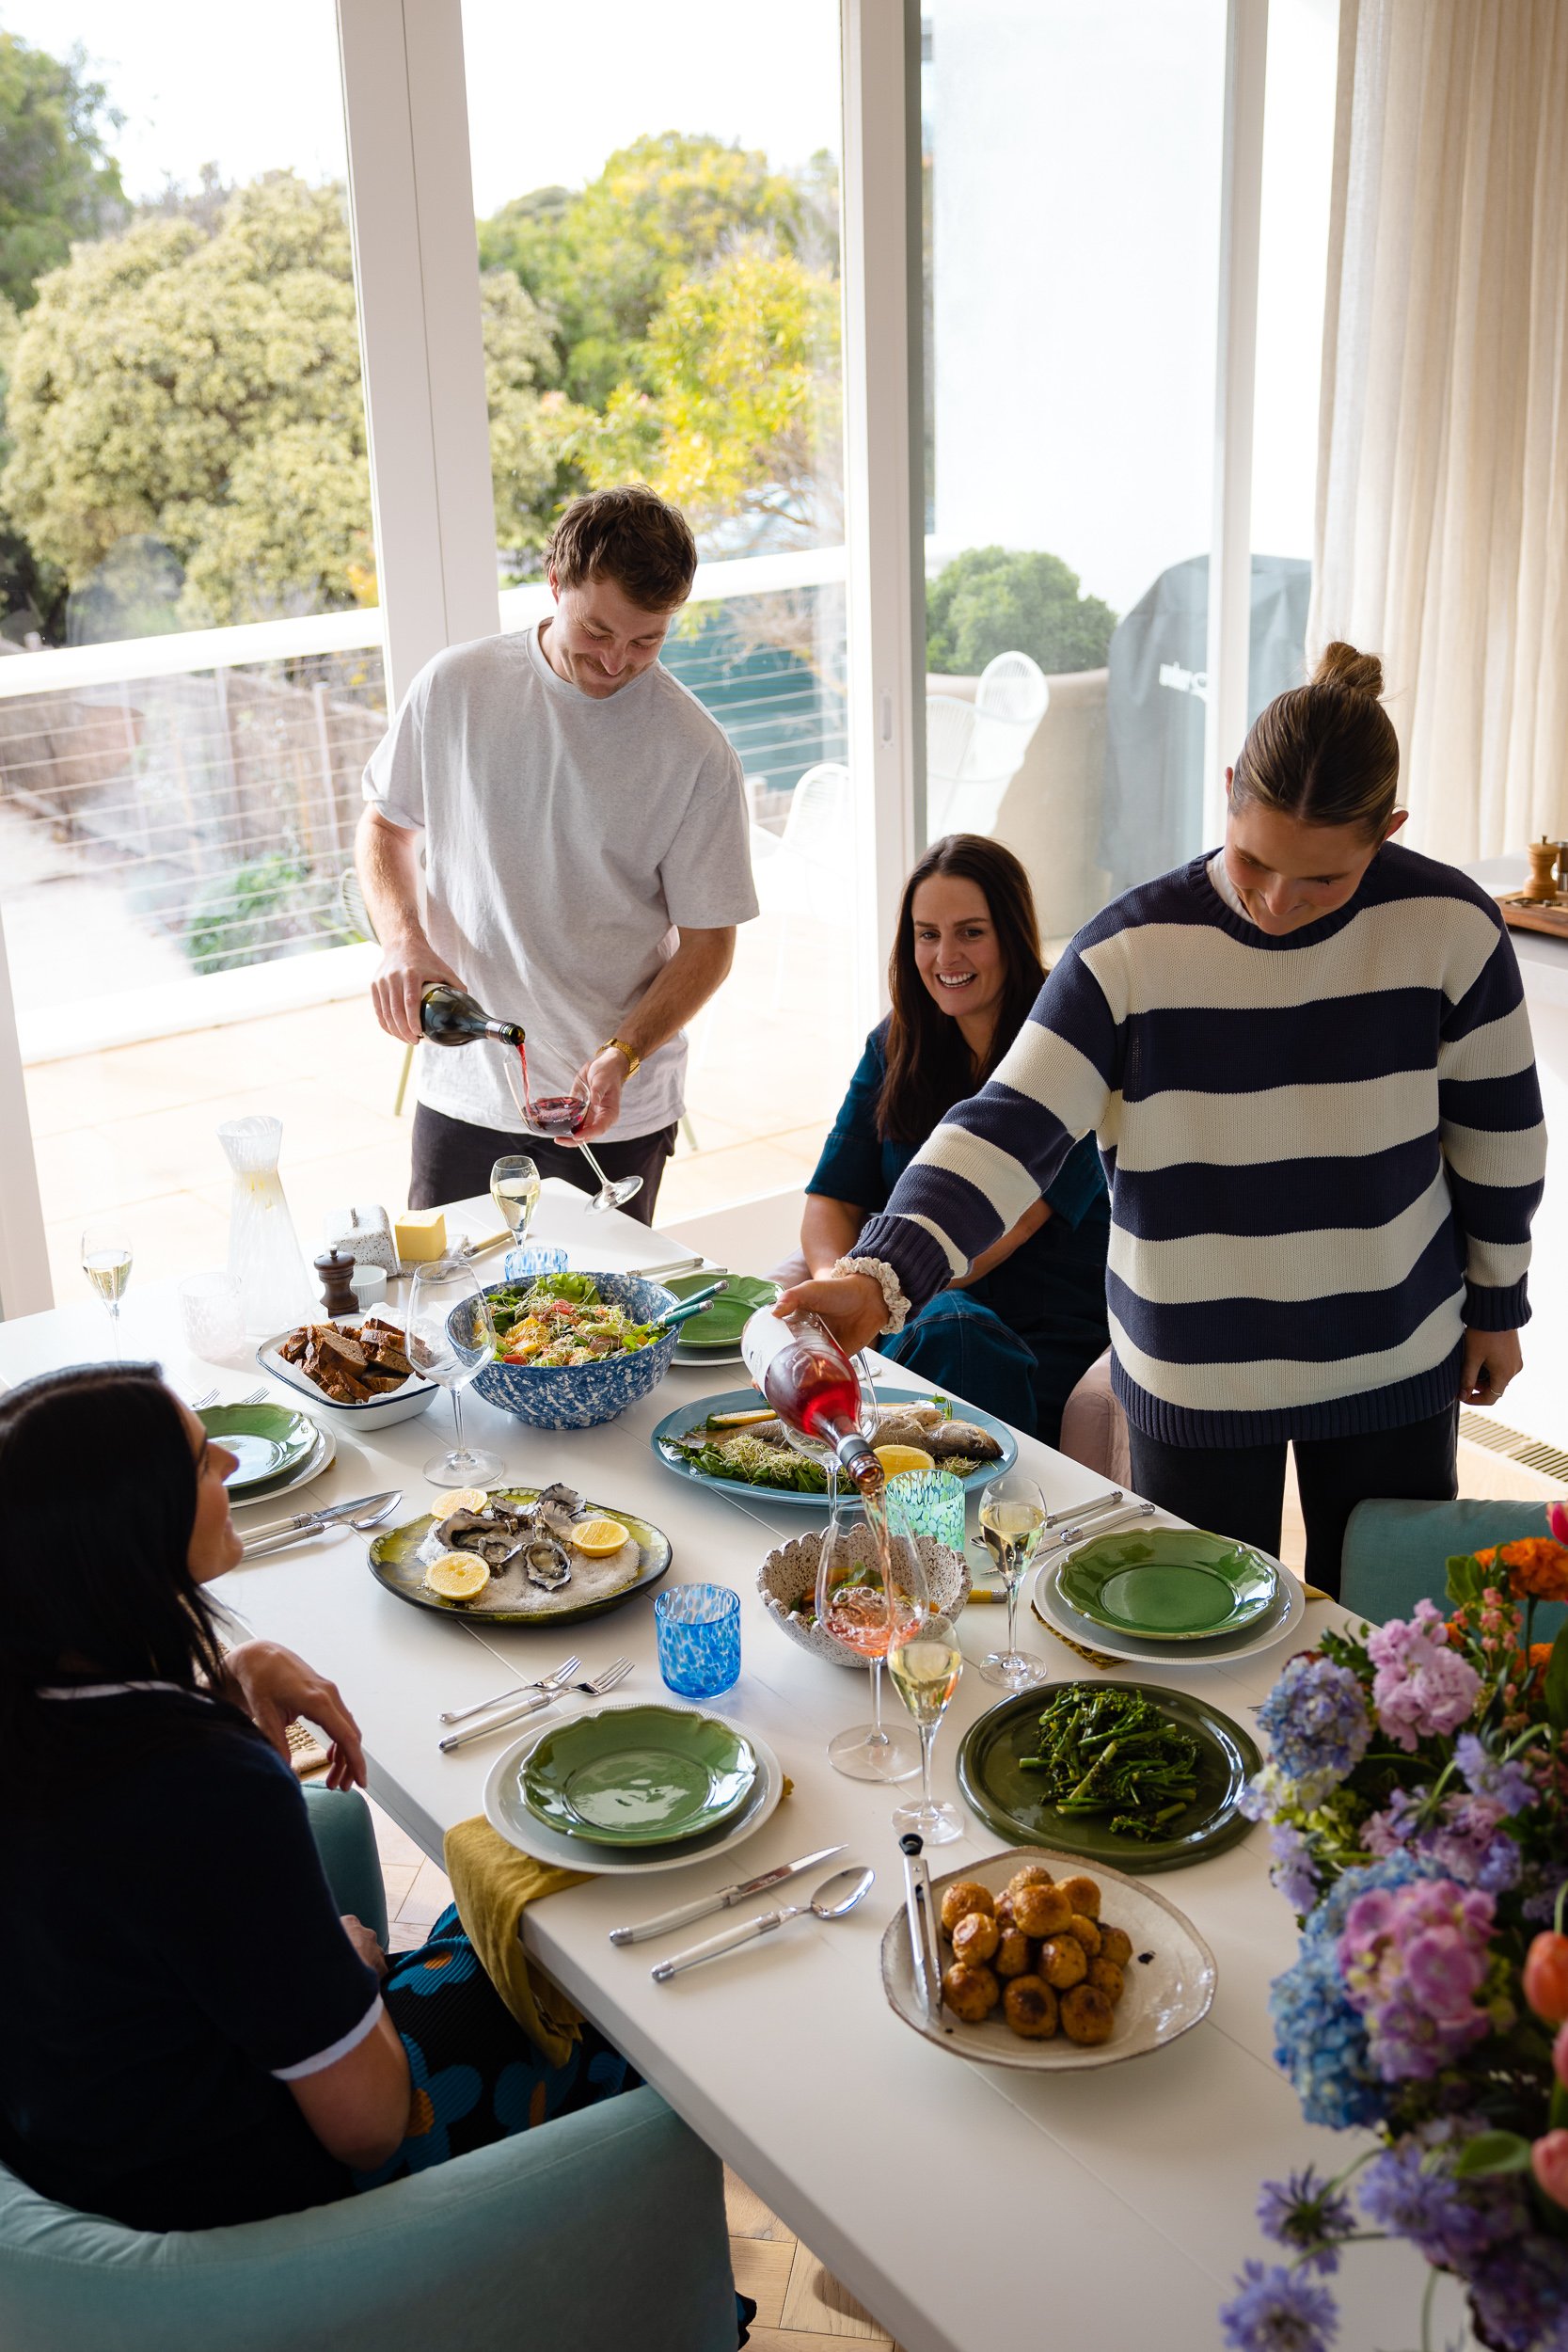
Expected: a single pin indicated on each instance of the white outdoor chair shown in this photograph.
(809, 868)
(974, 750)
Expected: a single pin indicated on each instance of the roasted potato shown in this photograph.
(1032, 1874)
(1063, 1963)
(1087, 2014)
(1041, 1910)
(1106, 1978)
(976, 1937)
(1116, 1943)
(1005, 1911)
(1030, 2008)
(965, 1896)
(970, 1994)
(1015, 1954)
(1082, 1930)
(1083, 1895)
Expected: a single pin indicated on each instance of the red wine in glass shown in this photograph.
(559, 1114)
(553, 1116)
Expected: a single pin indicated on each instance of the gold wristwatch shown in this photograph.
(634, 1061)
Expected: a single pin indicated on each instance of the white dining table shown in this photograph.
(970, 2208)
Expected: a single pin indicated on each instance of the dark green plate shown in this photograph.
(393, 1562)
(730, 1313)
(1168, 1584)
(1008, 1799)
(638, 1776)
(269, 1441)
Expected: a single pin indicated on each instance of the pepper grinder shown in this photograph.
(1541, 885)
(336, 1270)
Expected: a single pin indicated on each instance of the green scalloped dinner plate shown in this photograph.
(638, 1776)
(730, 1313)
(268, 1441)
(1007, 1798)
(1168, 1584)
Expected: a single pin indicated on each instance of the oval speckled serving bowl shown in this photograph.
(581, 1396)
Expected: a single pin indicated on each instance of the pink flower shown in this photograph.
(1549, 2161)
(1557, 1519)
(1414, 1959)
(1422, 1687)
(1560, 2053)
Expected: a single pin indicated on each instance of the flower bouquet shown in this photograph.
(1417, 1788)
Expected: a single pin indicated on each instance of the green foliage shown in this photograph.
(245, 917)
(992, 600)
(1491, 2152)
(1466, 1580)
(197, 381)
(56, 181)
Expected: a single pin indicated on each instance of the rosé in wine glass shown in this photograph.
(871, 1593)
(552, 1102)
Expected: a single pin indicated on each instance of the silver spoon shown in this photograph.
(832, 1899)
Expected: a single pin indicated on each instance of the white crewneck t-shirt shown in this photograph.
(566, 840)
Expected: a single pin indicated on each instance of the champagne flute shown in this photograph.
(556, 1114)
(106, 1264)
(870, 1592)
(1012, 1511)
(450, 1338)
(515, 1190)
(925, 1666)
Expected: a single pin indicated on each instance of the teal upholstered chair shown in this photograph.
(1398, 1553)
(599, 2232)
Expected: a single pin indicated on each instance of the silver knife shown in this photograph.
(683, 1914)
(319, 1518)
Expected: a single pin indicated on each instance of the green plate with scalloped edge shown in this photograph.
(639, 1775)
(266, 1440)
(1168, 1584)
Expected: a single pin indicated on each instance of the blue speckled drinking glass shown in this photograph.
(698, 1639)
(527, 1264)
(926, 1503)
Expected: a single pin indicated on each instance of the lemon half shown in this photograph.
(894, 1458)
(598, 1537)
(457, 1576)
(462, 1498)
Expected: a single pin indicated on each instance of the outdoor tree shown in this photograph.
(198, 384)
(58, 182)
(992, 600)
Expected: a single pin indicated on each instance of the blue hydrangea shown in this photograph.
(1317, 1722)
(1276, 2311)
(1295, 1872)
(1320, 2044)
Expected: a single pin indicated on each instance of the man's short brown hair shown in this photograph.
(629, 535)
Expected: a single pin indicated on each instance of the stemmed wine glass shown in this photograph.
(871, 1593)
(515, 1190)
(926, 1667)
(552, 1101)
(1012, 1511)
(106, 1264)
(451, 1337)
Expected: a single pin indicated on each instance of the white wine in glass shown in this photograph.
(515, 1190)
(106, 1264)
(1012, 1511)
(925, 1669)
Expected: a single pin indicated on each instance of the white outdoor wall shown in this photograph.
(1076, 169)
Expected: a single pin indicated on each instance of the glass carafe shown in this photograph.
(264, 1256)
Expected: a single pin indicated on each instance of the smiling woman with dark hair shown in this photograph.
(1029, 1318)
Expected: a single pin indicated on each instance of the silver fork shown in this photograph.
(605, 1681)
(482, 1707)
(208, 1396)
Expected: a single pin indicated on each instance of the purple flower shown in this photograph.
(1453, 2223)
(1503, 1781)
(1520, 2294)
(1422, 1687)
(1295, 1872)
(1308, 2216)
(1274, 2312)
(1468, 1844)
(1317, 1724)
(1413, 1959)
(1385, 1832)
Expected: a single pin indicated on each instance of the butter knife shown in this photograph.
(683, 1914)
(318, 1518)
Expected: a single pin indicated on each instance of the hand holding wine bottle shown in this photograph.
(408, 967)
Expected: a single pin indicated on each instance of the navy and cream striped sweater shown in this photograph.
(1323, 1150)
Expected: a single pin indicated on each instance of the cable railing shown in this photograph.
(196, 794)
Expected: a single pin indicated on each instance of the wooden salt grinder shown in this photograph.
(1541, 885)
(336, 1269)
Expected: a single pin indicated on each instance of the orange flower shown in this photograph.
(1535, 1566)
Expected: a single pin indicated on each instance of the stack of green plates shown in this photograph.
(714, 1337)
(1168, 1584)
(271, 1442)
(638, 1776)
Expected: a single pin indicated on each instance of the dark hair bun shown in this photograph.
(1341, 665)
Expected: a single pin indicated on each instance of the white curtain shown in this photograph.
(1442, 528)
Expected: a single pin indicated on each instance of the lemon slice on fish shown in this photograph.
(461, 1499)
(456, 1576)
(599, 1537)
(894, 1458)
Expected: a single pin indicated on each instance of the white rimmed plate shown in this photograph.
(1166, 1995)
(510, 1817)
(1284, 1615)
(321, 1458)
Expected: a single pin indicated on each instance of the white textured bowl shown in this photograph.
(788, 1576)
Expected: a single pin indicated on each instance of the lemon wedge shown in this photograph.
(457, 1576)
(462, 1498)
(894, 1458)
(598, 1537)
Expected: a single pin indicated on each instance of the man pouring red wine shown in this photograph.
(585, 860)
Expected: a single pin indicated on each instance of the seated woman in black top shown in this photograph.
(191, 2035)
(1015, 1334)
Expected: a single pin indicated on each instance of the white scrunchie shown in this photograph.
(893, 1300)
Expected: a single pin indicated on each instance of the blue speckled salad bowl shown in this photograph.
(579, 1396)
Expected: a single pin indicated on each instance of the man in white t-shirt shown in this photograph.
(586, 859)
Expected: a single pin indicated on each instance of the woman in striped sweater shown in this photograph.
(1308, 1066)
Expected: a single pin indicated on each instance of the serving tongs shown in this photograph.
(698, 1304)
(924, 1947)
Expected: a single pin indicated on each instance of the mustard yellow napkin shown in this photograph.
(493, 1884)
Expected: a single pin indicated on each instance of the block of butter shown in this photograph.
(420, 1234)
